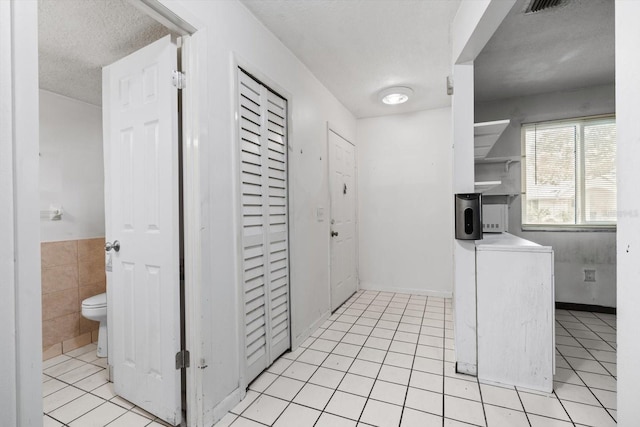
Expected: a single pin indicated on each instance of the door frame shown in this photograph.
(332, 128)
(238, 62)
(20, 100)
(20, 301)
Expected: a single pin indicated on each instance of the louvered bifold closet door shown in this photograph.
(263, 157)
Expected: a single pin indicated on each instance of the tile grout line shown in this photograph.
(526, 414)
(576, 371)
(74, 400)
(131, 410)
(583, 347)
(278, 376)
(318, 366)
(413, 359)
(354, 359)
(589, 350)
(383, 359)
(592, 331)
(444, 320)
(322, 411)
(335, 389)
(585, 385)
(387, 351)
(540, 415)
(55, 419)
(608, 374)
(563, 407)
(358, 299)
(599, 362)
(86, 392)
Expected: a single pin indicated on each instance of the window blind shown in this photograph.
(569, 176)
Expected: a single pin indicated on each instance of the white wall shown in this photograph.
(20, 291)
(233, 32)
(464, 251)
(627, 107)
(574, 251)
(474, 24)
(404, 202)
(71, 168)
(8, 362)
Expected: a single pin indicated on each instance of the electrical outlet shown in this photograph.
(589, 275)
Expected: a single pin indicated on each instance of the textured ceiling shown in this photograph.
(78, 37)
(358, 47)
(564, 48)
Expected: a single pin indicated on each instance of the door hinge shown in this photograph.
(178, 79)
(182, 359)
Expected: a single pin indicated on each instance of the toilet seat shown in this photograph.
(97, 301)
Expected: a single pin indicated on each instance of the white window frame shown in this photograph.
(583, 225)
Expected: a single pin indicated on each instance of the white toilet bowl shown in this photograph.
(95, 308)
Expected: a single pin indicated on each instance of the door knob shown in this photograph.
(334, 233)
(115, 246)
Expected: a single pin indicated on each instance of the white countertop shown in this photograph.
(506, 241)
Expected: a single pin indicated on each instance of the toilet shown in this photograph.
(95, 308)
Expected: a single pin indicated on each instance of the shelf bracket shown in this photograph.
(507, 165)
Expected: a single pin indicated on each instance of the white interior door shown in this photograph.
(342, 168)
(140, 122)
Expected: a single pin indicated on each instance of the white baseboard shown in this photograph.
(299, 339)
(467, 368)
(227, 404)
(369, 286)
(234, 398)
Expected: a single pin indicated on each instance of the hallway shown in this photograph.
(385, 359)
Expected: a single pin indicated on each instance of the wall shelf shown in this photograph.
(492, 160)
(483, 186)
(485, 135)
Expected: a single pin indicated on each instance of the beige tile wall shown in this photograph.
(71, 272)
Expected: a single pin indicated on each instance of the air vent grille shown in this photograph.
(539, 5)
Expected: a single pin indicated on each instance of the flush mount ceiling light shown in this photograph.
(395, 95)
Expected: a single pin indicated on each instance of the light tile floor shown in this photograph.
(382, 359)
(75, 392)
(387, 360)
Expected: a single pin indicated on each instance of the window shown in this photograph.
(569, 174)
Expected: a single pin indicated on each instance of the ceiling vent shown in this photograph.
(540, 5)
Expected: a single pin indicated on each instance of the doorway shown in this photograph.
(157, 364)
(342, 182)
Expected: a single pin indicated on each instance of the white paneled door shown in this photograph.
(262, 146)
(140, 121)
(342, 169)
